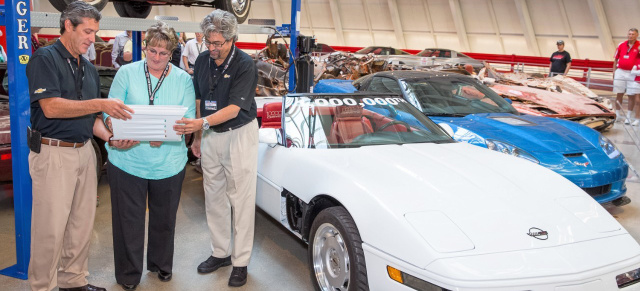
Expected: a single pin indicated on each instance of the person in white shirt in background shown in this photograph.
(192, 49)
(118, 46)
(127, 51)
(91, 53)
(634, 90)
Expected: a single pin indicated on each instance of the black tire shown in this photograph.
(133, 9)
(241, 9)
(61, 5)
(334, 233)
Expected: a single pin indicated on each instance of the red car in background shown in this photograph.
(6, 173)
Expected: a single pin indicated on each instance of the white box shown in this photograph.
(149, 123)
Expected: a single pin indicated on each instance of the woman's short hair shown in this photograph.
(161, 34)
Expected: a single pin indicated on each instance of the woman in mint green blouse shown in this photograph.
(148, 174)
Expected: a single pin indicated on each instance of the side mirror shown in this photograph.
(508, 100)
(268, 136)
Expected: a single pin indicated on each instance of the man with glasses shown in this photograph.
(225, 80)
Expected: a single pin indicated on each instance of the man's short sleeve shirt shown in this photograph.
(626, 55)
(52, 72)
(236, 85)
(559, 61)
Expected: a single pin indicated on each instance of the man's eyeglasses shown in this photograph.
(154, 52)
(214, 44)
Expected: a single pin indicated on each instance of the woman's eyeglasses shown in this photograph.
(154, 52)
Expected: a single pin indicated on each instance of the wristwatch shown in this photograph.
(205, 124)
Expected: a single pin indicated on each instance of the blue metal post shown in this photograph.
(135, 43)
(296, 6)
(17, 21)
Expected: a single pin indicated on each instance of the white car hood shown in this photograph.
(496, 201)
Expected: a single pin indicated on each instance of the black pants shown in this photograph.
(128, 210)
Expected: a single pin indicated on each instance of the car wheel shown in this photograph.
(133, 9)
(61, 5)
(335, 251)
(239, 8)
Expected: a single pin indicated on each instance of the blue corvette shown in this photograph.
(475, 114)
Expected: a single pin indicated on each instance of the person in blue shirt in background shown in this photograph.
(148, 174)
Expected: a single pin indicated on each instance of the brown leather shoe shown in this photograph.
(87, 287)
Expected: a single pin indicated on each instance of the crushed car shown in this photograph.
(559, 96)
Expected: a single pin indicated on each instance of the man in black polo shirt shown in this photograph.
(560, 61)
(225, 80)
(62, 163)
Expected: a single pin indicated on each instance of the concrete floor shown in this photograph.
(279, 259)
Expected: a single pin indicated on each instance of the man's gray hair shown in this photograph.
(222, 22)
(633, 29)
(76, 11)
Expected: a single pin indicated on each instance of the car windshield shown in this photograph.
(454, 96)
(376, 50)
(435, 53)
(341, 121)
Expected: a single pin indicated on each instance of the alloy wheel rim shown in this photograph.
(238, 5)
(331, 259)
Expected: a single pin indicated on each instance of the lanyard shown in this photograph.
(78, 78)
(152, 93)
(199, 47)
(212, 84)
(630, 46)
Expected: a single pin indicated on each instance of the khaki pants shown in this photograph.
(230, 169)
(63, 211)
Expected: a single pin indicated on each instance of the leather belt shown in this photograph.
(229, 128)
(59, 143)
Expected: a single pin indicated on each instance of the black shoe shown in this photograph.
(238, 277)
(164, 277)
(129, 286)
(84, 288)
(213, 263)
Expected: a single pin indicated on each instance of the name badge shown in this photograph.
(626, 56)
(210, 105)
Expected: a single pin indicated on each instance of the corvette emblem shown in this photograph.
(581, 164)
(538, 233)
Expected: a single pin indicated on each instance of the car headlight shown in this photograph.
(506, 148)
(608, 147)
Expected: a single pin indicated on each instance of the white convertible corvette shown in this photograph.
(389, 205)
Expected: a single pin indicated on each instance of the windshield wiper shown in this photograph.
(447, 114)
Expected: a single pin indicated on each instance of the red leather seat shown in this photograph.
(272, 115)
(348, 124)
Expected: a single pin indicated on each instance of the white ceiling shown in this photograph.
(590, 28)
